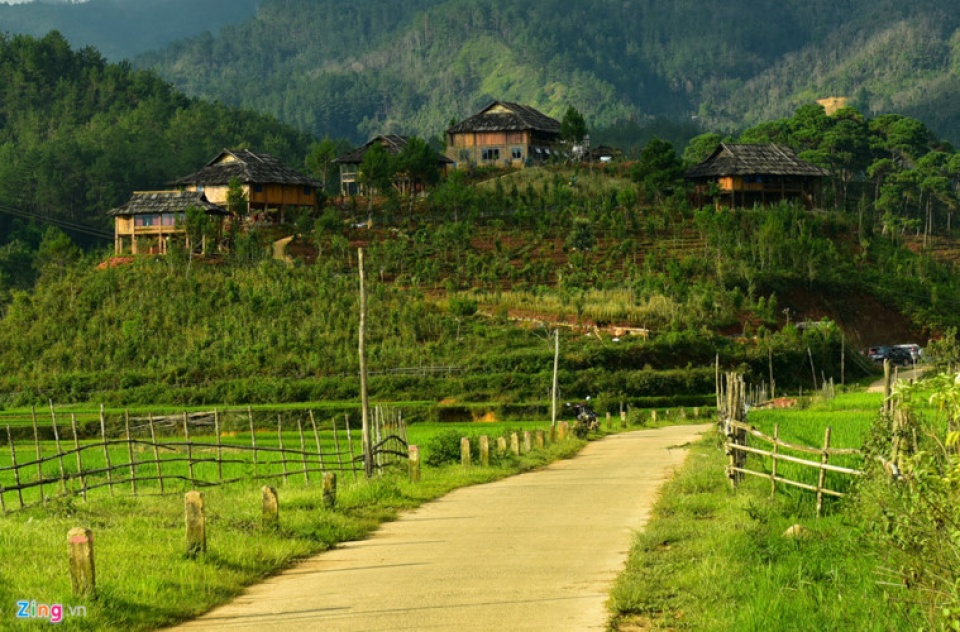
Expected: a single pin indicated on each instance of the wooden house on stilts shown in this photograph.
(271, 187)
(151, 221)
(740, 175)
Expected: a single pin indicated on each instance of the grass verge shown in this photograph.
(716, 559)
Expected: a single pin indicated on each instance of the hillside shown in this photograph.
(120, 29)
(356, 70)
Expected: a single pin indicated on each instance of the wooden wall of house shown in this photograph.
(269, 195)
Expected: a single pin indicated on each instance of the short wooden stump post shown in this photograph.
(413, 462)
(82, 572)
(653, 416)
(564, 427)
(270, 508)
(465, 451)
(608, 421)
(196, 523)
(329, 490)
(539, 437)
(696, 412)
(527, 441)
(484, 450)
(501, 445)
(623, 419)
(553, 434)
(514, 444)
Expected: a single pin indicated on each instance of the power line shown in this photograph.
(59, 223)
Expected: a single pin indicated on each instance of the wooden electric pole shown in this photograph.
(556, 364)
(364, 397)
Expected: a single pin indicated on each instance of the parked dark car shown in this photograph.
(899, 356)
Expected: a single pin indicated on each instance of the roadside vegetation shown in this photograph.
(882, 558)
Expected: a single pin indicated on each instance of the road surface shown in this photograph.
(538, 551)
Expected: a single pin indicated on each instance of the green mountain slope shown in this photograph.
(121, 29)
(381, 66)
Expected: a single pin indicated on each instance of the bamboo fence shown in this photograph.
(191, 449)
(732, 401)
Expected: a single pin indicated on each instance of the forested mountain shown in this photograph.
(357, 69)
(79, 134)
(121, 29)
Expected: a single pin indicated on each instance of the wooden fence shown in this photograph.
(731, 395)
(154, 453)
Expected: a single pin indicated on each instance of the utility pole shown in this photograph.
(364, 397)
(556, 364)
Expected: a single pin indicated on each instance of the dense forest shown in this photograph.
(357, 70)
(120, 29)
(79, 134)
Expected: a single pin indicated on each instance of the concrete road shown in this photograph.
(537, 551)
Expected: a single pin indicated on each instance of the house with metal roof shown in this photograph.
(741, 175)
(503, 134)
(271, 187)
(394, 144)
(151, 220)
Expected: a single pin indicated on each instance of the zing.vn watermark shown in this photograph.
(54, 613)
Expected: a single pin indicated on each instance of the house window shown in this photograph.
(141, 221)
(307, 191)
(258, 188)
(491, 154)
(167, 219)
(516, 153)
(200, 188)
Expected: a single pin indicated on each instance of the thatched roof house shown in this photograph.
(149, 219)
(393, 144)
(269, 184)
(503, 134)
(747, 175)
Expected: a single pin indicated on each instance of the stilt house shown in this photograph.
(737, 176)
(394, 144)
(271, 187)
(151, 220)
(504, 135)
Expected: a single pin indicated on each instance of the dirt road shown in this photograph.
(537, 551)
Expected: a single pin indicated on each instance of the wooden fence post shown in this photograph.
(303, 451)
(653, 416)
(133, 468)
(76, 447)
(83, 575)
(336, 442)
(270, 508)
(539, 436)
(36, 444)
(106, 452)
(413, 461)
(16, 469)
(608, 421)
(56, 438)
(216, 429)
(823, 472)
(196, 523)
(464, 451)
(186, 434)
(515, 443)
(329, 490)
(773, 467)
(527, 442)
(156, 453)
(283, 453)
(623, 419)
(253, 443)
(501, 445)
(484, 450)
